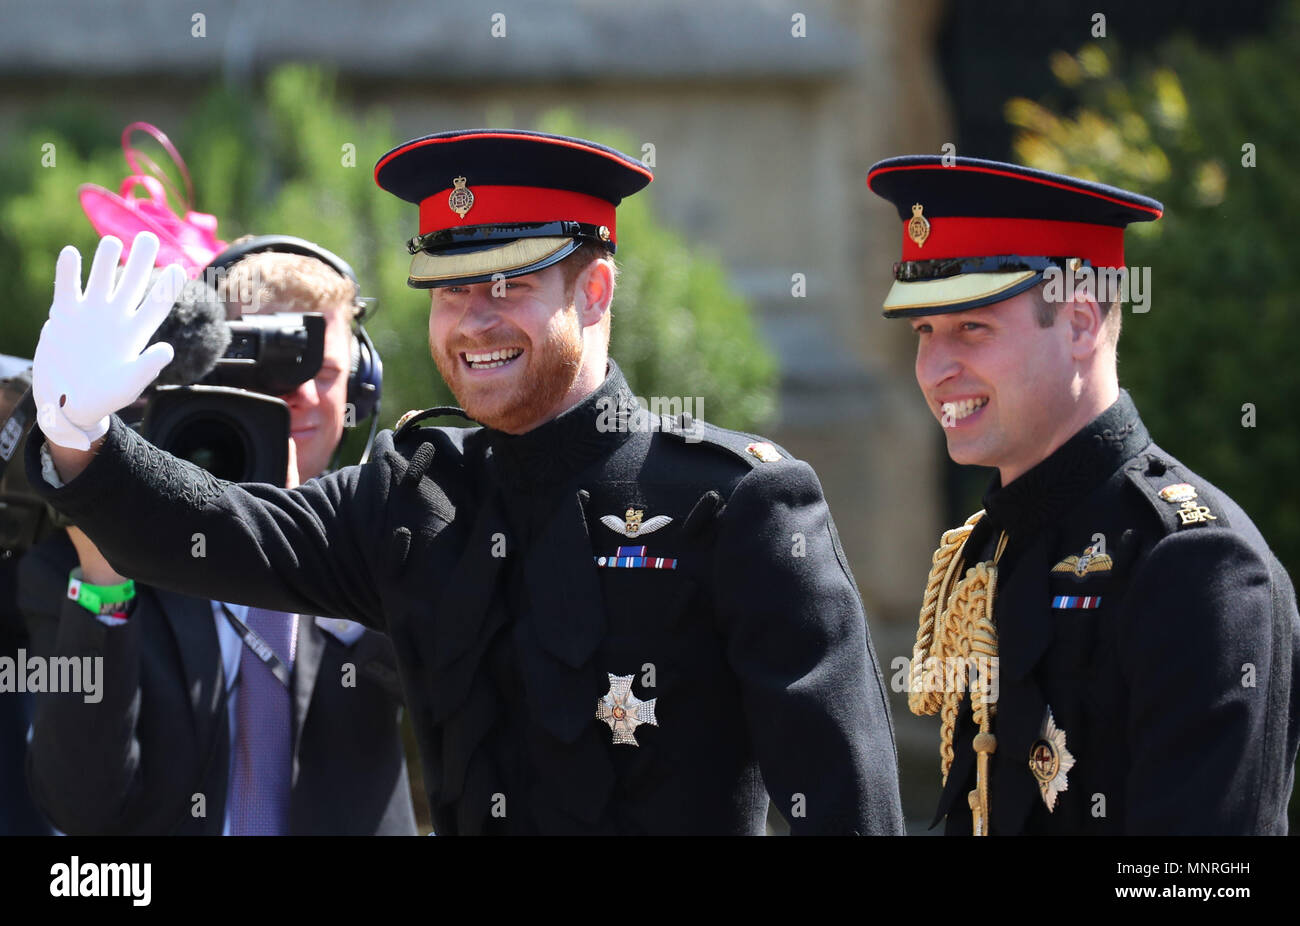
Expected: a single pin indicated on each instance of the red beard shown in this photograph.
(533, 394)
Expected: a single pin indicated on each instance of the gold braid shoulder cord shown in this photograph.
(957, 634)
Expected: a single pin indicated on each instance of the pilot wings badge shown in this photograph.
(1085, 564)
(631, 524)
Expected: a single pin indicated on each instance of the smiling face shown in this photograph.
(518, 352)
(1004, 388)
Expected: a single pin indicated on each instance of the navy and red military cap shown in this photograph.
(498, 203)
(976, 232)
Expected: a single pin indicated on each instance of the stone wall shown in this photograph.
(762, 143)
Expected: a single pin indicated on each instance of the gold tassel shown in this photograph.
(956, 650)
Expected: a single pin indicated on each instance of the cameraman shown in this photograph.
(196, 733)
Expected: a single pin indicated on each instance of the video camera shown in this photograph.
(229, 421)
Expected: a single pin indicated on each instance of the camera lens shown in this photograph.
(214, 444)
(235, 435)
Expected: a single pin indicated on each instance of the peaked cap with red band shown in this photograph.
(976, 232)
(505, 202)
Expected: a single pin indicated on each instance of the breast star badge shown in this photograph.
(1049, 761)
(624, 711)
(631, 525)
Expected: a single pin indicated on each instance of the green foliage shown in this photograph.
(295, 160)
(35, 225)
(679, 329)
(1220, 333)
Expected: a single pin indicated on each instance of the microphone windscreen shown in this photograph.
(197, 331)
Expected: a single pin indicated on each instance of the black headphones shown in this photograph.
(366, 376)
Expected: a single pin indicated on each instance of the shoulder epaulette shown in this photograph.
(749, 448)
(1177, 497)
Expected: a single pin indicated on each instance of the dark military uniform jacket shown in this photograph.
(494, 562)
(1141, 606)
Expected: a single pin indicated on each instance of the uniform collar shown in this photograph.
(565, 445)
(1078, 466)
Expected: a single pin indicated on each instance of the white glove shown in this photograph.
(88, 362)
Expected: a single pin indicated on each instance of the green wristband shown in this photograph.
(99, 599)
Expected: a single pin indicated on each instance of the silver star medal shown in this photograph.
(1049, 760)
(624, 711)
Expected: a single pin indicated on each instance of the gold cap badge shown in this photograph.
(461, 199)
(918, 226)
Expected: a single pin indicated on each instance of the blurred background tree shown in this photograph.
(291, 158)
(679, 328)
(1211, 135)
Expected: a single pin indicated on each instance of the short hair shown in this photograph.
(575, 263)
(572, 267)
(1111, 316)
(292, 282)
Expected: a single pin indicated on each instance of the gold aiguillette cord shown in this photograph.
(961, 638)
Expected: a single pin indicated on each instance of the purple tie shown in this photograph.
(259, 784)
